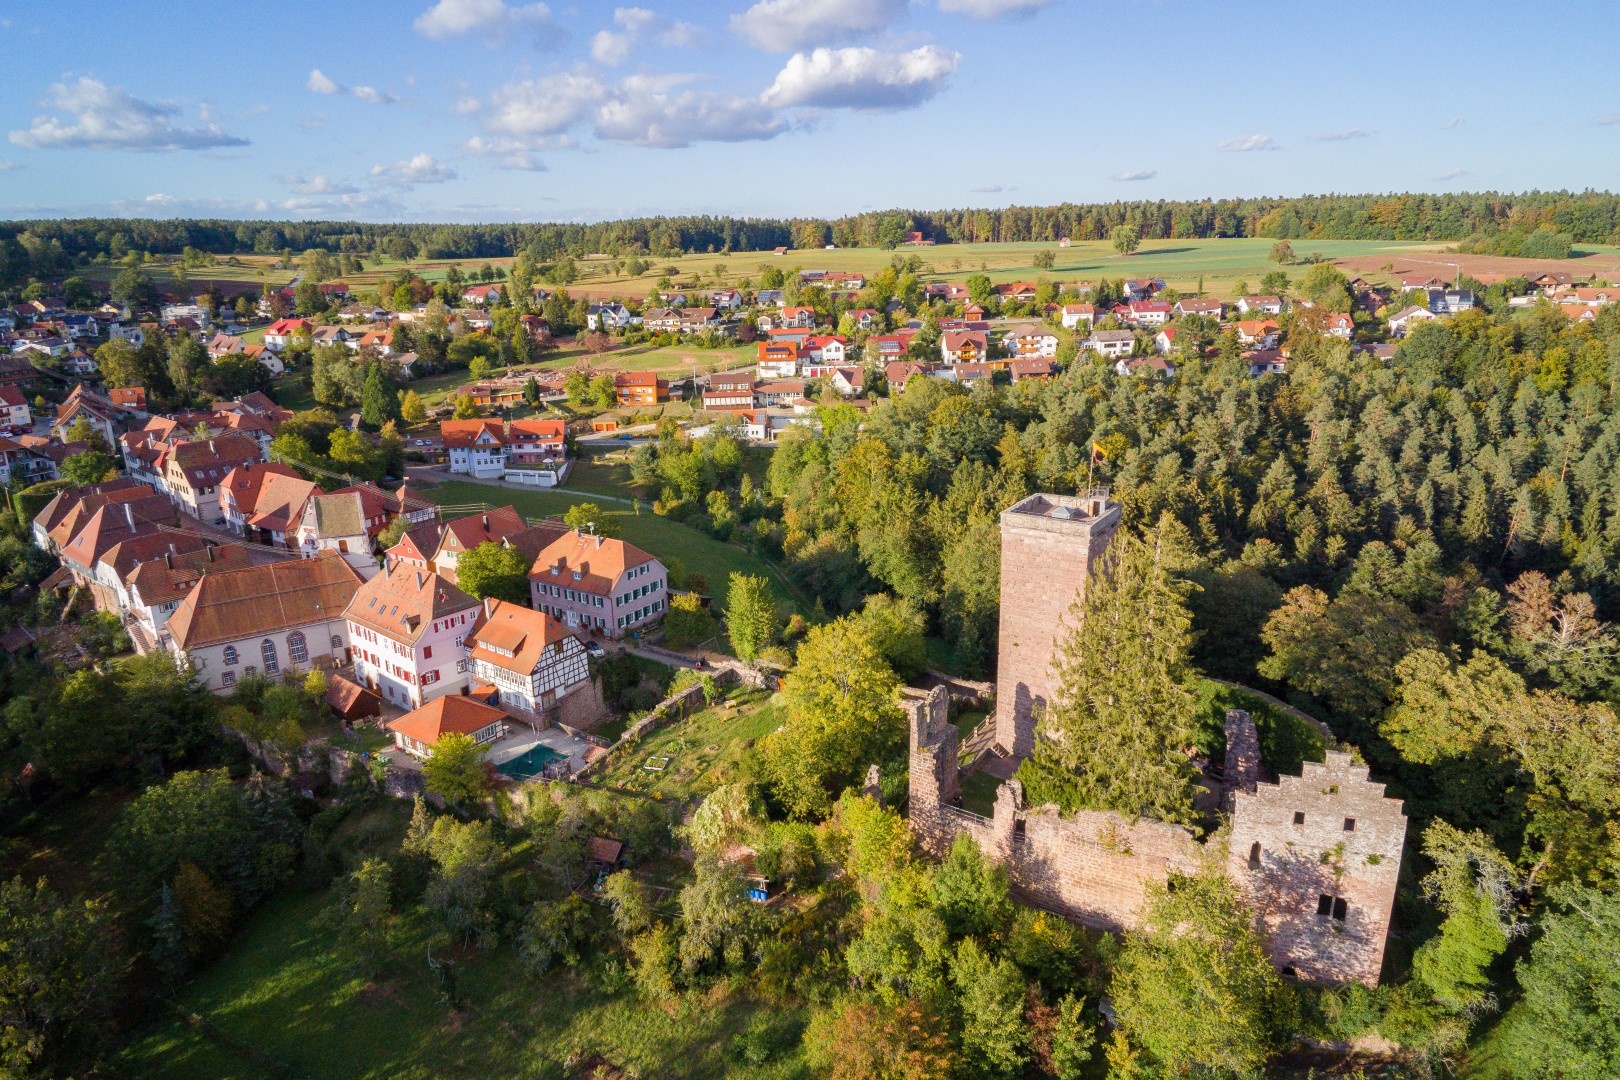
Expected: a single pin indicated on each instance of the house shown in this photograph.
(329, 335)
(1149, 312)
(104, 418)
(783, 393)
(224, 345)
(1591, 297)
(475, 447)
(607, 317)
(1266, 361)
(280, 334)
(697, 320)
(1029, 339)
(1580, 313)
(1165, 340)
(337, 522)
(1031, 367)
(1421, 282)
(15, 415)
(1111, 343)
(865, 318)
(848, 381)
(463, 534)
(103, 529)
(963, 346)
(482, 295)
(1157, 366)
(365, 313)
(729, 392)
(1075, 314)
(1339, 325)
(945, 290)
(824, 348)
(1450, 301)
(78, 362)
(1142, 290)
(598, 583)
(67, 511)
(419, 731)
(154, 587)
(282, 617)
(778, 359)
(1016, 292)
(1263, 305)
(898, 372)
(969, 375)
(530, 658)
(1209, 309)
(408, 628)
(537, 447)
(192, 471)
(797, 317)
(725, 299)
(1400, 324)
(972, 312)
(416, 547)
(264, 502)
(889, 347)
(128, 398)
(639, 388)
(1261, 333)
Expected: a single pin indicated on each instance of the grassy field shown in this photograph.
(703, 751)
(666, 539)
(1182, 263)
(254, 271)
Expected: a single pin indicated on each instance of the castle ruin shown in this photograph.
(1317, 856)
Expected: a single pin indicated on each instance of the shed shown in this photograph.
(349, 700)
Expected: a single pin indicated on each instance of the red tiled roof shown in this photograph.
(443, 715)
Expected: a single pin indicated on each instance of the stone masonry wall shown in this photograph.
(1096, 867)
(1045, 561)
(1319, 855)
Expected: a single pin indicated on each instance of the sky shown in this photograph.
(490, 110)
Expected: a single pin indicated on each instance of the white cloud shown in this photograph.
(986, 10)
(506, 153)
(1248, 143)
(492, 18)
(312, 121)
(1454, 174)
(374, 96)
(862, 78)
(786, 25)
(319, 184)
(421, 169)
(1340, 136)
(1610, 118)
(539, 111)
(466, 106)
(611, 48)
(991, 189)
(106, 118)
(653, 110)
(9, 166)
(1454, 122)
(635, 25)
(319, 83)
(1136, 174)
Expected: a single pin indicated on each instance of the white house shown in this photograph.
(419, 731)
(598, 583)
(1261, 305)
(1111, 343)
(476, 447)
(408, 629)
(1401, 323)
(1075, 314)
(607, 316)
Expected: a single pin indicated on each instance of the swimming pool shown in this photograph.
(531, 763)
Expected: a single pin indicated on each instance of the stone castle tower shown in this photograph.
(1048, 546)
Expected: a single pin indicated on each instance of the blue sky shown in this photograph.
(487, 110)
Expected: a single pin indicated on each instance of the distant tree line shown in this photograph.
(47, 248)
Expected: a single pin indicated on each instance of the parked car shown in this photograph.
(594, 650)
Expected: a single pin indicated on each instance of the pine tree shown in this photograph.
(378, 402)
(168, 950)
(1116, 734)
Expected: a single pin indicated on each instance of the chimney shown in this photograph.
(168, 557)
(211, 446)
(486, 523)
(129, 516)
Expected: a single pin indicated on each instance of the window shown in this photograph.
(458, 642)
(427, 652)
(267, 649)
(1349, 824)
(462, 664)
(296, 647)
(1299, 817)
(1335, 907)
(337, 642)
(228, 679)
(230, 654)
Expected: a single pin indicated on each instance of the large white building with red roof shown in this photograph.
(408, 629)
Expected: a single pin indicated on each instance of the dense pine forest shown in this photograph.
(1491, 221)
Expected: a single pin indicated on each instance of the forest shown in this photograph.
(1488, 221)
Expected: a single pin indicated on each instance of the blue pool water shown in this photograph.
(530, 763)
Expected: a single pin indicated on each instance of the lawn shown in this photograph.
(283, 991)
(666, 539)
(699, 753)
(979, 793)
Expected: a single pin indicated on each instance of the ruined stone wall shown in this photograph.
(1319, 855)
(1289, 847)
(1048, 546)
(1243, 770)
